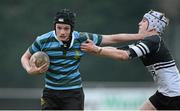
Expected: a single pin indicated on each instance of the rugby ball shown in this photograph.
(39, 58)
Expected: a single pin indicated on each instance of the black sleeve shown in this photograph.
(96, 38)
(152, 42)
(125, 47)
(147, 45)
(131, 52)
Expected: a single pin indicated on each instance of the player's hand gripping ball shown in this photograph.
(39, 58)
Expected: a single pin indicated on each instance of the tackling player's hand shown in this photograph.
(89, 47)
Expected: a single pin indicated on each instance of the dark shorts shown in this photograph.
(161, 102)
(62, 99)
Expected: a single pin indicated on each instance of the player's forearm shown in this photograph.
(25, 63)
(27, 67)
(116, 38)
(112, 53)
(128, 37)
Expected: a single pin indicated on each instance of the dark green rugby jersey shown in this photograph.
(63, 72)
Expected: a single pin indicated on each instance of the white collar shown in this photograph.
(72, 40)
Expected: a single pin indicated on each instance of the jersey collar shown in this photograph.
(61, 43)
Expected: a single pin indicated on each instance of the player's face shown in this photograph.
(143, 25)
(63, 31)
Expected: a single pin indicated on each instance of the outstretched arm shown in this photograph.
(111, 52)
(117, 38)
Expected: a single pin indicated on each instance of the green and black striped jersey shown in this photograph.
(63, 72)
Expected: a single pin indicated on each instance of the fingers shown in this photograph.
(33, 69)
(89, 41)
(88, 46)
(43, 68)
(84, 47)
(44, 65)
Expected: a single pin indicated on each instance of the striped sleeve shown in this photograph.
(146, 46)
(96, 38)
(36, 46)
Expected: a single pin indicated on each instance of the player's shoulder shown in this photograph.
(80, 36)
(46, 35)
(75, 34)
(153, 38)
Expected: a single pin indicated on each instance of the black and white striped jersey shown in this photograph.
(159, 62)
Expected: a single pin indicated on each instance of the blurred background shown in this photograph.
(108, 83)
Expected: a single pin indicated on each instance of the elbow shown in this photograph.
(123, 56)
(30, 73)
(22, 59)
(25, 63)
